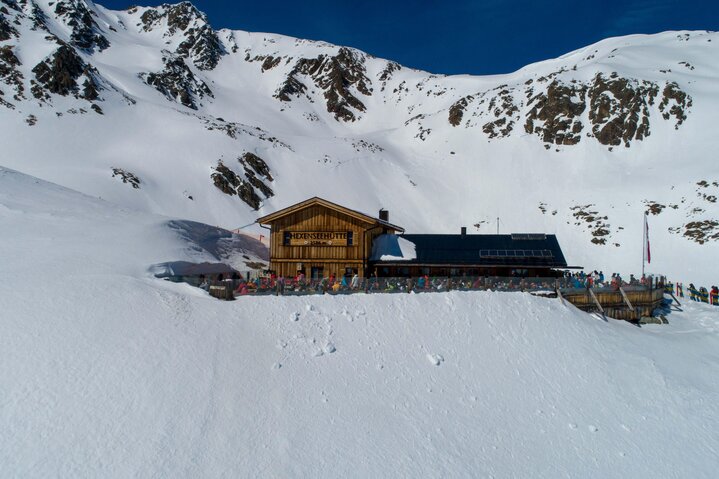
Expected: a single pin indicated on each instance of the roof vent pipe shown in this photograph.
(464, 231)
(384, 215)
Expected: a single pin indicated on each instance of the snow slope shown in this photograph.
(108, 372)
(579, 146)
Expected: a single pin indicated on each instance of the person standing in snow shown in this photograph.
(693, 293)
(714, 294)
(280, 285)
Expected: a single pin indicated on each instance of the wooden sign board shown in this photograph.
(318, 238)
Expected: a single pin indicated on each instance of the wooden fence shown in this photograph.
(630, 305)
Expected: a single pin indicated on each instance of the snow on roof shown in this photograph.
(393, 248)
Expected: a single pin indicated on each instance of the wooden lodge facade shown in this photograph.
(319, 239)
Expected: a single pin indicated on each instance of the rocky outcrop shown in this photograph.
(701, 231)
(202, 46)
(126, 177)
(177, 82)
(674, 103)
(256, 169)
(231, 183)
(60, 74)
(388, 72)
(177, 17)
(594, 222)
(201, 43)
(337, 76)
(238, 130)
(10, 74)
(456, 111)
(554, 114)
(7, 31)
(86, 34)
(619, 109)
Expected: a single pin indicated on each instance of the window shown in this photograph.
(350, 238)
(317, 272)
(286, 237)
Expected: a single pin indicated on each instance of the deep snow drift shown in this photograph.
(108, 372)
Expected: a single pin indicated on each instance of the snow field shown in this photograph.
(108, 372)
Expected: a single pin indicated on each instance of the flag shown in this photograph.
(646, 235)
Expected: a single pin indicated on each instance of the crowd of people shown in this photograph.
(596, 279)
(700, 294)
(272, 284)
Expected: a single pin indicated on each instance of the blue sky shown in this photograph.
(462, 36)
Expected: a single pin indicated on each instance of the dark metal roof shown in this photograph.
(518, 250)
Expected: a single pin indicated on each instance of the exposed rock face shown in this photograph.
(595, 223)
(387, 73)
(59, 74)
(201, 43)
(254, 167)
(127, 177)
(456, 111)
(699, 231)
(617, 109)
(7, 31)
(554, 114)
(86, 33)
(674, 103)
(10, 75)
(178, 17)
(230, 183)
(202, 46)
(177, 82)
(336, 76)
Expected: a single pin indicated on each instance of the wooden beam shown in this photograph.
(596, 301)
(673, 297)
(626, 299)
(559, 295)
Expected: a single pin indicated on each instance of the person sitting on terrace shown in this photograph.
(242, 288)
(204, 284)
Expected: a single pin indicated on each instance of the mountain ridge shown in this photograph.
(157, 93)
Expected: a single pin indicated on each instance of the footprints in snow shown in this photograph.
(312, 335)
(435, 359)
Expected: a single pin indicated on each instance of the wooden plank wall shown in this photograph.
(334, 259)
(644, 302)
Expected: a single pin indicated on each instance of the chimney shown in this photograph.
(464, 231)
(384, 215)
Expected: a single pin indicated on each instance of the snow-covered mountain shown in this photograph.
(153, 109)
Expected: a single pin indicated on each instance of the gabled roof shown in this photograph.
(317, 201)
(534, 250)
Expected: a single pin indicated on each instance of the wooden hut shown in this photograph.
(318, 238)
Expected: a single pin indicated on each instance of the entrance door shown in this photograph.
(317, 272)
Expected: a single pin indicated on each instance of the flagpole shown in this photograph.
(644, 241)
